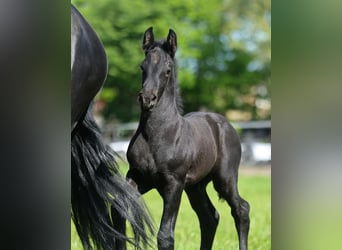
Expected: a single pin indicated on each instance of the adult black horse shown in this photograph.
(99, 194)
(172, 153)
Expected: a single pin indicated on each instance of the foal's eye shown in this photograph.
(168, 72)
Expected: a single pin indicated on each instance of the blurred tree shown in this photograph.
(223, 55)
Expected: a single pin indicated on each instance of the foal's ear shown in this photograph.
(172, 42)
(148, 39)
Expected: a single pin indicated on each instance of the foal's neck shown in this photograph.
(163, 115)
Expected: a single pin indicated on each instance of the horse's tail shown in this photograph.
(98, 187)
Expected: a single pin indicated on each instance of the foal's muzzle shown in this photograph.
(147, 99)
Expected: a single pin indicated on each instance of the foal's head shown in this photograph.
(158, 67)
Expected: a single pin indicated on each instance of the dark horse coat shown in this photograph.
(99, 195)
(172, 153)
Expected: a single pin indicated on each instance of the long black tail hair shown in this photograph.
(97, 187)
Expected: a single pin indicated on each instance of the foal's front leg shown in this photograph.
(171, 191)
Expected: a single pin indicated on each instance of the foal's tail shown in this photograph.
(98, 187)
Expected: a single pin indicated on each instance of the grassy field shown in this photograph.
(254, 186)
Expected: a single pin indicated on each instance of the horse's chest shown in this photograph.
(151, 158)
(140, 156)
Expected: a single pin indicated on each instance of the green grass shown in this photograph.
(256, 189)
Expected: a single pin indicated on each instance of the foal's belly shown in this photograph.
(205, 147)
(203, 162)
(200, 169)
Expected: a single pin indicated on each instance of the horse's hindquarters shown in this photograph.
(88, 65)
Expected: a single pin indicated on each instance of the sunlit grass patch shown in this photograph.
(256, 189)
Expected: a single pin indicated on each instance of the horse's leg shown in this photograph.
(226, 186)
(171, 190)
(206, 213)
(119, 222)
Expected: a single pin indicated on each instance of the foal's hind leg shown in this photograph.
(206, 213)
(226, 186)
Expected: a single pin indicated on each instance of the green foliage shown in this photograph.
(223, 50)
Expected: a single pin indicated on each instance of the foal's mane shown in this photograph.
(164, 46)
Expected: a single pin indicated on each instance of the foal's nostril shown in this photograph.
(147, 99)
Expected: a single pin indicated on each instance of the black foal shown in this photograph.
(172, 153)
